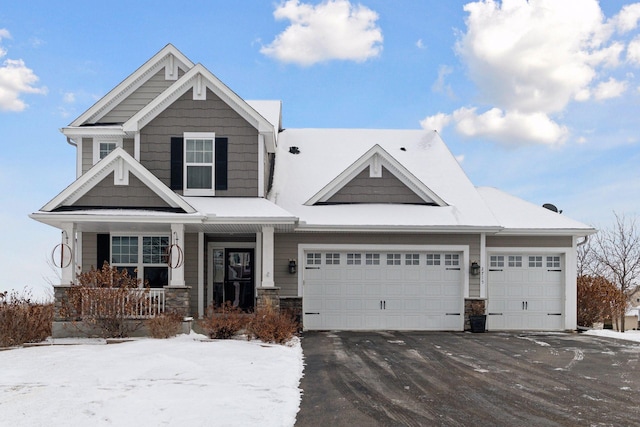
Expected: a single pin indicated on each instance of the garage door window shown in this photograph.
(496, 261)
(314, 258)
(535, 261)
(333, 258)
(553, 262)
(354, 259)
(451, 259)
(433, 259)
(393, 259)
(412, 259)
(372, 259)
(515, 261)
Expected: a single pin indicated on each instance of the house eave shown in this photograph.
(579, 232)
(322, 228)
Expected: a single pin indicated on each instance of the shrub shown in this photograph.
(223, 322)
(165, 325)
(107, 301)
(598, 300)
(23, 320)
(271, 326)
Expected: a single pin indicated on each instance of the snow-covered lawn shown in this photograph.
(628, 335)
(183, 381)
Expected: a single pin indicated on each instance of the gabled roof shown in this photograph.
(326, 157)
(169, 57)
(199, 79)
(374, 159)
(121, 164)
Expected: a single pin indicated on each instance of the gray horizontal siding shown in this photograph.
(138, 99)
(286, 248)
(106, 194)
(87, 154)
(212, 115)
(385, 189)
(529, 241)
(89, 251)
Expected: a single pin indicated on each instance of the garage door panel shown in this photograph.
(365, 297)
(529, 296)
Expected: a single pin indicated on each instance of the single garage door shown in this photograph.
(526, 292)
(351, 290)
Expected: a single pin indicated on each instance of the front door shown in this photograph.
(233, 277)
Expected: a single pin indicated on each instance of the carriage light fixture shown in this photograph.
(292, 266)
(475, 268)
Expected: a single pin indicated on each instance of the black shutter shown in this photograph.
(222, 145)
(103, 249)
(177, 163)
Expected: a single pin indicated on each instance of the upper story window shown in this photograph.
(199, 163)
(103, 146)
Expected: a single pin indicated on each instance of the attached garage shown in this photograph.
(526, 292)
(383, 288)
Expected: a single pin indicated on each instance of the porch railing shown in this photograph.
(130, 304)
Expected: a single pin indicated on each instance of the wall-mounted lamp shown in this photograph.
(475, 268)
(292, 266)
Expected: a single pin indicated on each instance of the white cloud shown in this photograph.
(69, 97)
(511, 127)
(420, 44)
(612, 88)
(436, 122)
(333, 29)
(530, 58)
(633, 51)
(440, 85)
(16, 79)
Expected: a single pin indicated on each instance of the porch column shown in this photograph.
(267, 257)
(177, 257)
(67, 260)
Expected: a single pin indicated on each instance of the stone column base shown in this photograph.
(268, 298)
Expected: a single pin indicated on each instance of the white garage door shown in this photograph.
(526, 292)
(382, 290)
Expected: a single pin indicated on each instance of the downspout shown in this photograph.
(586, 239)
(70, 142)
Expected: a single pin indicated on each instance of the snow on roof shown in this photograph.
(270, 110)
(514, 213)
(252, 208)
(325, 153)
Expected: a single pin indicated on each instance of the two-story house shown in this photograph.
(206, 197)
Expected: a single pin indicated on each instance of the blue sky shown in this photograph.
(537, 98)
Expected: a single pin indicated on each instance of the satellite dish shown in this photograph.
(551, 207)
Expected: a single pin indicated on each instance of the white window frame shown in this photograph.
(99, 140)
(199, 191)
(140, 264)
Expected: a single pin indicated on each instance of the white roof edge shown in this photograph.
(303, 227)
(126, 84)
(80, 131)
(151, 110)
(356, 167)
(579, 232)
(190, 218)
(107, 163)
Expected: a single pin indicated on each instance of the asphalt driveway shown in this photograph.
(462, 379)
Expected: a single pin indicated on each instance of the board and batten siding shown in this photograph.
(210, 115)
(529, 241)
(106, 194)
(286, 248)
(89, 251)
(139, 98)
(385, 189)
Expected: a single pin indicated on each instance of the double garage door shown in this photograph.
(526, 292)
(372, 290)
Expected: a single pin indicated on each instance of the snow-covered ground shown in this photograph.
(183, 381)
(628, 335)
